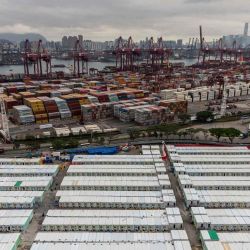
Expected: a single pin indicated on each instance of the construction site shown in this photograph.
(169, 197)
(143, 88)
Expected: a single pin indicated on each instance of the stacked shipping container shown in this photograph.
(175, 106)
(51, 107)
(38, 109)
(9, 103)
(62, 107)
(127, 114)
(23, 114)
(93, 112)
(152, 115)
(74, 102)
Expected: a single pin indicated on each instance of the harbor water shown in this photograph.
(19, 69)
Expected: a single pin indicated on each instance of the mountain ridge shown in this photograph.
(17, 38)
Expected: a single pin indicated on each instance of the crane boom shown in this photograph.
(224, 98)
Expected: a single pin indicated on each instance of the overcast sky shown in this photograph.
(108, 19)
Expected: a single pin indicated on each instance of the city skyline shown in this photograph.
(106, 20)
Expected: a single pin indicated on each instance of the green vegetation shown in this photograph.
(184, 118)
(101, 140)
(182, 133)
(156, 131)
(204, 116)
(217, 132)
(61, 144)
(58, 144)
(230, 133)
(55, 138)
(72, 143)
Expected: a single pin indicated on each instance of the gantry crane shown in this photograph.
(36, 59)
(30, 58)
(80, 60)
(43, 57)
(126, 53)
(158, 54)
(224, 98)
(4, 122)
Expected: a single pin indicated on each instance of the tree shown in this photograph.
(58, 144)
(231, 133)
(155, 134)
(170, 129)
(30, 137)
(72, 143)
(131, 135)
(136, 133)
(94, 135)
(17, 145)
(184, 117)
(204, 116)
(217, 132)
(33, 145)
(102, 140)
(150, 133)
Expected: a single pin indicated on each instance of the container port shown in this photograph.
(125, 97)
(131, 134)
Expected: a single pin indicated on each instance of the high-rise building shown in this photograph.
(80, 38)
(65, 43)
(87, 44)
(179, 43)
(72, 41)
(246, 29)
(170, 44)
(242, 40)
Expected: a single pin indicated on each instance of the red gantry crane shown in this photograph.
(30, 58)
(44, 58)
(219, 53)
(36, 59)
(80, 60)
(158, 54)
(126, 54)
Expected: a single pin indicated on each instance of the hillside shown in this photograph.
(13, 37)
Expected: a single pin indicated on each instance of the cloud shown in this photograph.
(202, 1)
(108, 19)
(17, 28)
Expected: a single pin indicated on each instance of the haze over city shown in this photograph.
(106, 20)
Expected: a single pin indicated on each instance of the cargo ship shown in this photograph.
(58, 66)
